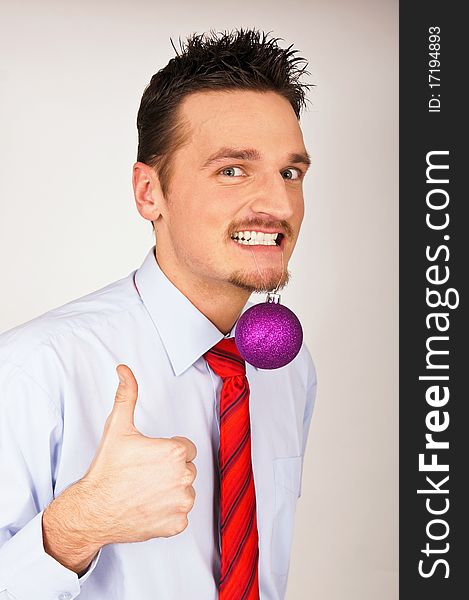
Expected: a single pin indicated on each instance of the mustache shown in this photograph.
(258, 223)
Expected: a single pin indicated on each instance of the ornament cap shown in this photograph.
(273, 298)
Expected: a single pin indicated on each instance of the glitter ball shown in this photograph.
(268, 335)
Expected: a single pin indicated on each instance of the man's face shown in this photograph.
(240, 172)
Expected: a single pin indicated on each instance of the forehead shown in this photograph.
(264, 120)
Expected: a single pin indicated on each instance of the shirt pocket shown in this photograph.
(287, 475)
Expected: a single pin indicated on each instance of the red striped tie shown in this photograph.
(238, 525)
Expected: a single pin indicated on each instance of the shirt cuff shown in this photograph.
(27, 571)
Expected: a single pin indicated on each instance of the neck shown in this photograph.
(220, 302)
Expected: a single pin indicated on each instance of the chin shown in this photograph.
(252, 282)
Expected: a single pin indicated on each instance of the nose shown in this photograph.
(274, 199)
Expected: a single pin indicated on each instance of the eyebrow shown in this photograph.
(253, 154)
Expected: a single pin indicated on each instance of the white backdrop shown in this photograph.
(71, 78)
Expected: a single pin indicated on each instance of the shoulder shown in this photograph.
(307, 366)
(21, 343)
(301, 369)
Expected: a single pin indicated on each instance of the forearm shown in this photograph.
(69, 534)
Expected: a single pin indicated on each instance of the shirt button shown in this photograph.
(65, 596)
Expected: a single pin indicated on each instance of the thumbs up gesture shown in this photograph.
(135, 489)
(142, 486)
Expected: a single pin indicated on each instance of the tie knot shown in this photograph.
(224, 358)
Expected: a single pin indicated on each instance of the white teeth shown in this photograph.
(255, 238)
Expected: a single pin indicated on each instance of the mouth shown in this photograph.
(258, 238)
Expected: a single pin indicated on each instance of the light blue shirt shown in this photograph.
(57, 387)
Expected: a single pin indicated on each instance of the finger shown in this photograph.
(191, 450)
(192, 494)
(125, 399)
(193, 469)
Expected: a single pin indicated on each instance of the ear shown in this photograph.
(147, 191)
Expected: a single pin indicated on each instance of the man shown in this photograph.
(136, 493)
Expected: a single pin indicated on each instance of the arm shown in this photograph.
(99, 509)
(30, 435)
(309, 403)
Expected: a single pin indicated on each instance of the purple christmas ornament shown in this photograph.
(268, 335)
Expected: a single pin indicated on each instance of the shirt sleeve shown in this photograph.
(309, 404)
(30, 441)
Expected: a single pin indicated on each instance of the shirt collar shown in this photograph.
(185, 332)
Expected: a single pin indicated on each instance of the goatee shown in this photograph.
(253, 282)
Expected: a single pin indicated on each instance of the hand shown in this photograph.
(141, 486)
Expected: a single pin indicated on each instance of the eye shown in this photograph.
(291, 173)
(231, 172)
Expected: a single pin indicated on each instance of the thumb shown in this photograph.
(125, 400)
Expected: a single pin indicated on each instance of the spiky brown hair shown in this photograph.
(242, 59)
